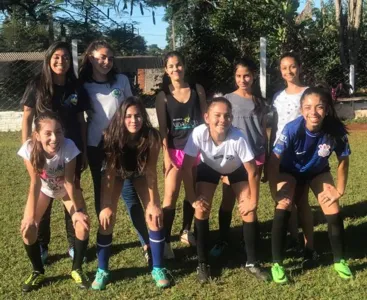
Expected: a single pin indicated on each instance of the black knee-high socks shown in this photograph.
(34, 254)
(168, 218)
(250, 236)
(188, 215)
(336, 235)
(79, 253)
(202, 239)
(279, 233)
(225, 218)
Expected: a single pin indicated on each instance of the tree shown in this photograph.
(154, 50)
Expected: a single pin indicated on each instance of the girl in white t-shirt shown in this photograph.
(50, 159)
(224, 152)
(286, 105)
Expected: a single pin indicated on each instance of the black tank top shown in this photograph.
(182, 118)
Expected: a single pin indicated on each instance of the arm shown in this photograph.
(274, 128)
(83, 129)
(273, 173)
(202, 97)
(265, 133)
(342, 174)
(28, 115)
(188, 179)
(254, 181)
(151, 175)
(34, 192)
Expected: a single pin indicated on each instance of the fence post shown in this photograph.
(74, 50)
(352, 78)
(263, 66)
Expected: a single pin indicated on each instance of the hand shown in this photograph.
(154, 215)
(329, 195)
(82, 218)
(105, 217)
(26, 224)
(201, 204)
(84, 162)
(246, 206)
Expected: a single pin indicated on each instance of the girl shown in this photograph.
(249, 115)
(132, 148)
(50, 159)
(300, 156)
(106, 90)
(179, 110)
(286, 105)
(224, 152)
(55, 89)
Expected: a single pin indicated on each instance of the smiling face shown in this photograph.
(133, 119)
(218, 118)
(51, 136)
(290, 69)
(102, 61)
(175, 68)
(60, 62)
(313, 110)
(244, 78)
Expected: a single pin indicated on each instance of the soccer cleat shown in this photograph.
(80, 279)
(188, 238)
(203, 271)
(343, 269)
(256, 271)
(33, 282)
(278, 274)
(160, 277)
(168, 252)
(218, 249)
(101, 280)
(310, 259)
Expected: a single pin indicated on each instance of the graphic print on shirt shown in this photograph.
(184, 123)
(116, 93)
(54, 178)
(71, 101)
(324, 150)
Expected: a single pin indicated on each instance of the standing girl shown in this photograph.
(55, 89)
(301, 156)
(224, 152)
(249, 115)
(132, 148)
(106, 90)
(50, 160)
(179, 109)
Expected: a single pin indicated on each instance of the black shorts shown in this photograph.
(207, 174)
(304, 178)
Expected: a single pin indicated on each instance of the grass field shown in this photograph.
(130, 276)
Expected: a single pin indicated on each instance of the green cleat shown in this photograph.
(278, 274)
(101, 280)
(343, 269)
(33, 282)
(160, 277)
(80, 279)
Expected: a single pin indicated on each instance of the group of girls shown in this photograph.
(201, 146)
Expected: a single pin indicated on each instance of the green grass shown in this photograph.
(130, 276)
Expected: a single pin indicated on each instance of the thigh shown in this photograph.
(141, 187)
(172, 184)
(241, 190)
(42, 205)
(228, 197)
(285, 191)
(205, 190)
(129, 194)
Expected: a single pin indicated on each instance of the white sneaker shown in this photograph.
(188, 238)
(168, 252)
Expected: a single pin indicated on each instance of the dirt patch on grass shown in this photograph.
(357, 127)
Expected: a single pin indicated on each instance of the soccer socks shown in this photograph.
(157, 239)
(225, 218)
(202, 239)
(104, 245)
(249, 236)
(79, 253)
(188, 215)
(168, 217)
(34, 254)
(279, 233)
(336, 235)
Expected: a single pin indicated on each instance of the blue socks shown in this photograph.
(157, 240)
(104, 244)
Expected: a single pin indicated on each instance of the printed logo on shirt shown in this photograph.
(229, 157)
(184, 123)
(54, 178)
(324, 150)
(116, 93)
(218, 156)
(71, 101)
(282, 138)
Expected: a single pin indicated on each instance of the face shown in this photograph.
(51, 136)
(313, 110)
(218, 118)
(102, 60)
(60, 62)
(290, 69)
(133, 119)
(244, 78)
(175, 69)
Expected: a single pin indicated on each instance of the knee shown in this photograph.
(107, 231)
(29, 235)
(284, 204)
(250, 217)
(81, 232)
(200, 215)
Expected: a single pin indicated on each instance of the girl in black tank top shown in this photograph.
(180, 107)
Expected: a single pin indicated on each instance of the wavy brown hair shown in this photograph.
(38, 158)
(116, 137)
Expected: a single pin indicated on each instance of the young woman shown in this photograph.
(224, 152)
(249, 115)
(300, 157)
(286, 105)
(180, 107)
(106, 90)
(132, 148)
(50, 159)
(55, 89)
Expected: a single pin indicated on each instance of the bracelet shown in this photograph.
(80, 209)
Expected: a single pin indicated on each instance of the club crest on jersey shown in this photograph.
(116, 93)
(324, 150)
(71, 100)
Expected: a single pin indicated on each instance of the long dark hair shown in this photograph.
(38, 158)
(86, 68)
(293, 55)
(43, 82)
(116, 137)
(331, 125)
(259, 102)
(166, 81)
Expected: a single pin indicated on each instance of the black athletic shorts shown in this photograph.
(207, 174)
(303, 178)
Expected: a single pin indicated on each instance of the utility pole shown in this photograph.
(173, 35)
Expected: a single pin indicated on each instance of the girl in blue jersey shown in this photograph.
(300, 156)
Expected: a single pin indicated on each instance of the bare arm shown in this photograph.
(34, 191)
(151, 175)
(188, 179)
(75, 196)
(202, 97)
(253, 180)
(28, 115)
(107, 184)
(83, 129)
(274, 128)
(273, 173)
(342, 174)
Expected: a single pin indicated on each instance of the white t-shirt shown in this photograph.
(52, 177)
(225, 158)
(288, 108)
(105, 100)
